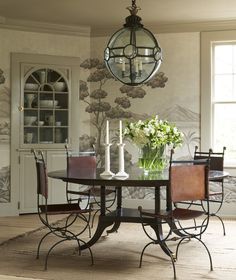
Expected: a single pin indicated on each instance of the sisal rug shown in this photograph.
(117, 257)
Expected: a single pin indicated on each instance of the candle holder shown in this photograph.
(121, 173)
(107, 172)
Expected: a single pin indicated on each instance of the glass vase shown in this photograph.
(152, 159)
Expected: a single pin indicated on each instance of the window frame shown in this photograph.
(208, 39)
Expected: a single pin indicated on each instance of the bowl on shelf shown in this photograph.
(59, 86)
(48, 103)
(29, 120)
(31, 86)
(40, 123)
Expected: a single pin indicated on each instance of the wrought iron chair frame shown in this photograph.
(216, 163)
(91, 193)
(45, 210)
(190, 170)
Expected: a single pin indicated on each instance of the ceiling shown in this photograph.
(102, 14)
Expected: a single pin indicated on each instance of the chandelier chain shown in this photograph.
(133, 8)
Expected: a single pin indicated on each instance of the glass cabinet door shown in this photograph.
(46, 107)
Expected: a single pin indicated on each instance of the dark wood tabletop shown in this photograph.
(136, 177)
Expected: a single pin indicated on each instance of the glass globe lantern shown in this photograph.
(133, 55)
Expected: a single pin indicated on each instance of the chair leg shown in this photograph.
(40, 242)
(223, 225)
(75, 237)
(49, 251)
(90, 251)
(208, 252)
(173, 260)
(177, 248)
(214, 214)
(195, 224)
(222, 222)
(170, 255)
(141, 257)
(93, 218)
(84, 218)
(71, 236)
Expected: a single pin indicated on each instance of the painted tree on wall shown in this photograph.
(96, 99)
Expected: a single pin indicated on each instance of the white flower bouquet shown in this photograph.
(151, 136)
(154, 132)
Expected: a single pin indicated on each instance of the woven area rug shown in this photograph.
(117, 257)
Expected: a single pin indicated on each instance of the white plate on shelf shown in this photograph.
(50, 107)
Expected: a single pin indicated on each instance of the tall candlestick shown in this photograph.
(120, 132)
(107, 172)
(107, 132)
(121, 173)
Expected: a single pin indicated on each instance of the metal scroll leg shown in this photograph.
(119, 203)
(114, 228)
(161, 242)
(100, 228)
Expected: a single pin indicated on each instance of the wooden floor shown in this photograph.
(12, 227)
(15, 226)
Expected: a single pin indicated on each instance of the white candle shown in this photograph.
(136, 66)
(107, 133)
(120, 132)
(140, 65)
(123, 65)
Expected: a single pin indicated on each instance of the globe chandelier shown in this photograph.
(133, 55)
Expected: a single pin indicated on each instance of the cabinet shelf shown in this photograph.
(47, 103)
(36, 109)
(46, 91)
(53, 126)
(30, 91)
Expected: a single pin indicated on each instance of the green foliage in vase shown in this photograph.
(152, 158)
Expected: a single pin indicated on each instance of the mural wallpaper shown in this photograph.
(96, 93)
(100, 109)
(104, 98)
(4, 136)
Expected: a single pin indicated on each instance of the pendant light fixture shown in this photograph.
(133, 55)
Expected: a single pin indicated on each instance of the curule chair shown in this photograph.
(215, 197)
(76, 161)
(73, 212)
(188, 181)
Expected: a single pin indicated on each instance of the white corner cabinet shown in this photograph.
(44, 116)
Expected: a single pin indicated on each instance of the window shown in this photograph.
(224, 99)
(218, 93)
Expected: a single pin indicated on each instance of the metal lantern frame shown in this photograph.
(129, 61)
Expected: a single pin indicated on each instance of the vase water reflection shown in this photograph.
(152, 159)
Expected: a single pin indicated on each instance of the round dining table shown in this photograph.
(135, 178)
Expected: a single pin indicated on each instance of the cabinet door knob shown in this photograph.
(21, 108)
